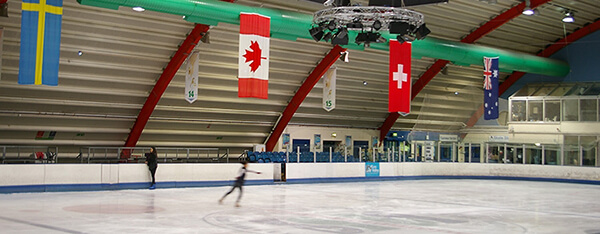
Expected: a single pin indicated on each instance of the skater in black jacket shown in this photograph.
(239, 182)
(151, 161)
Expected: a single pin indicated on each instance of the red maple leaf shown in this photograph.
(254, 56)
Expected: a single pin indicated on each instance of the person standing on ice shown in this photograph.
(151, 161)
(239, 182)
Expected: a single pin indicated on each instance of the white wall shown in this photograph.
(301, 132)
(324, 170)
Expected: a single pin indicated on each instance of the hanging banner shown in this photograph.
(40, 42)
(400, 85)
(191, 77)
(253, 59)
(286, 140)
(490, 88)
(329, 80)
(317, 141)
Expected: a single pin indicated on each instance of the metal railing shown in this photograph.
(165, 155)
(29, 154)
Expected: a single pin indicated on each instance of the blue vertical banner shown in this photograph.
(317, 141)
(490, 88)
(40, 42)
(372, 169)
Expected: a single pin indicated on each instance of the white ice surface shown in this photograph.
(418, 206)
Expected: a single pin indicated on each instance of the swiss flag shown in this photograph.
(253, 61)
(400, 86)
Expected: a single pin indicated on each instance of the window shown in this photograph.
(588, 110)
(589, 147)
(571, 151)
(518, 110)
(552, 155)
(570, 110)
(535, 110)
(552, 111)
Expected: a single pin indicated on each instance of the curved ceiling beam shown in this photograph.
(165, 79)
(163, 82)
(301, 94)
(547, 52)
(291, 25)
(440, 64)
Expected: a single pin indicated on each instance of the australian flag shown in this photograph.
(490, 88)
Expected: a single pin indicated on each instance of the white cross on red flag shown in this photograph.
(253, 61)
(400, 85)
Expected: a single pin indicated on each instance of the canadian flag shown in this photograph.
(253, 73)
(400, 86)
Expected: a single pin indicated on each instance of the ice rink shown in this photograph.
(404, 206)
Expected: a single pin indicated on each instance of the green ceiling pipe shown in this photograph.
(291, 25)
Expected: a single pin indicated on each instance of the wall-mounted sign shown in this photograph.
(372, 169)
(317, 141)
(286, 140)
(446, 137)
(498, 139)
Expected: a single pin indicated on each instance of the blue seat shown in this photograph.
(260, 160)
(252, 158)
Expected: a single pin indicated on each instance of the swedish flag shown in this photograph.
(40, 42)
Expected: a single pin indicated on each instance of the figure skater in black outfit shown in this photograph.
(152, 164)
(239, 182)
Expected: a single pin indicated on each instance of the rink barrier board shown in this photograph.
(96, 177)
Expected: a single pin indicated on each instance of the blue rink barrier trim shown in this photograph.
(386, 178)
(189, 184)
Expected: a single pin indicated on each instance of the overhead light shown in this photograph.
(356, 25)
(361, 38)
(80, 53)
(399, 27)
(377, 25)
(327, 36)
(365, 83)
(537, 144)
(332, 25)
(333, 134)
(316, 33)
(456, 93)
(568, 17)
(368, 21)
(422, 31)
(528, 10)
(340, 37)
(138, 9)
(394, 134)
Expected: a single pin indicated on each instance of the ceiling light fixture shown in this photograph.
(569, 17)
(138, 9)
(528, 10)
(368, 20)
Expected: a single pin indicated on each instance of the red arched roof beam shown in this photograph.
(165, 79)
(472, 37)
(549, 51)
(301, 94)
